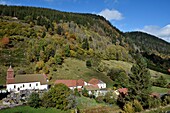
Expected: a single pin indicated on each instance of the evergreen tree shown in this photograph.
(59, 30)
(88, 63)
(139, 81)
(58, 59)
(67, 51)
(85, 44)
(119, 77)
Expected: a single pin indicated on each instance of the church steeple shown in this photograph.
(10, 75)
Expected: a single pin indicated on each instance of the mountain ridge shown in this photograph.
(38, 40)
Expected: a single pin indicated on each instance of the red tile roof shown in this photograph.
(80, 82)
(168, 70)
(123, 90)
(68, 83)
(94, 81)
(154, 94)
(71, 83)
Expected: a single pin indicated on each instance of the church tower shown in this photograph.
(10, 75)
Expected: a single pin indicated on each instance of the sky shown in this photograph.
(150, 16)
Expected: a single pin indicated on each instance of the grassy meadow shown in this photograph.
(77, 69)
(27, 109)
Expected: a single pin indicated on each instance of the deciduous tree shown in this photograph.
(34, 100)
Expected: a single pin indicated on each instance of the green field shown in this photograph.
(27, 109)
(76, 69)
(117, 64)
(160, 90)
(155, 74)
(86, 103)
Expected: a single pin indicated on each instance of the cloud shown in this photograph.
(162, 32)
(3, 2)
(111, 14)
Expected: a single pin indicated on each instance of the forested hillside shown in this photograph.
(38, 40)
(154, 49)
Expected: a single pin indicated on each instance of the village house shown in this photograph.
(72, 84)
(25, 82)
(97, 82)
(94, 86)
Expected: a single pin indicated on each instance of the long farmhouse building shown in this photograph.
(26, 81)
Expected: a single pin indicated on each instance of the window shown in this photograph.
(36, 84)
(30, 85)
(14, 86)
(23, 85)
(18, 89)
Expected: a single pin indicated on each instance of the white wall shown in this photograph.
(102, 85)
(24, 86)
(72, 88)
(85, 83)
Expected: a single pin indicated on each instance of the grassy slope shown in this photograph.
(127, 66)
(118, 64)
(159, 89)
(87, 105)
(76, 69)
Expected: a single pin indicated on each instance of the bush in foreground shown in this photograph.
(34, 100)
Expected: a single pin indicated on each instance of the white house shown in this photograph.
(26, 81)
(97, 82)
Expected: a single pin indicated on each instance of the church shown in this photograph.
(27, 81)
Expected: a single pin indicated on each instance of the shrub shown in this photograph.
(85, 92)
(99, 99)
(39, 65)
(34, 100)
(67, 51)
(88, 63)
(109, 98)
(137, 106)
(128, 108)
(58, 59)
(76, 93)
(165, 99)
(154, 102)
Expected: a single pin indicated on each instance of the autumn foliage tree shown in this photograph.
(4, 41)
(58, 96)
